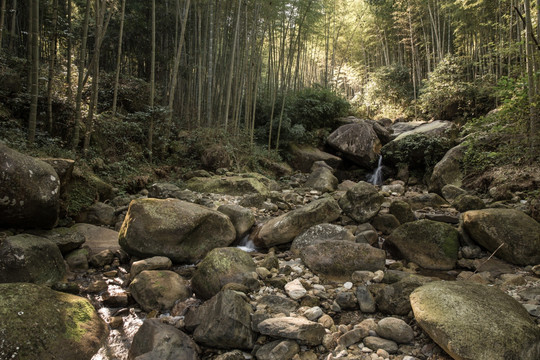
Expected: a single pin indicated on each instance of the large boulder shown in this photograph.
(241, 217)
(393, 299)
(437, 128)
(39, 323)
(155, 340)
(448, 170)
(358, 142)
(158, 289)
(518, 234)
(295, 328)
(319, 233)
(30, 258)
(322, 179)
(220, 267)
(284, 228)
(430, 244)
(67, 239)
(339, 259)
(30, 195)
(304, 156)
(182, 231)
(96, 238)
(362, 202)
(473, 321)
(225, 322)
(229, 185)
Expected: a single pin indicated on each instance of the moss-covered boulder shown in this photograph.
(220, 267)
(30, 258)
(182, 231)
(30, 191)
(448, 171)
(304, 156)
(229, 185)
(284, 228)
(430, 244)
(473, 321)
(358, 142)
(158, 289)
(362, 202)
(39, 323)
(322, 179)
(318, 233)
(519, 233)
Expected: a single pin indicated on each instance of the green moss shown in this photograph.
(77, 316)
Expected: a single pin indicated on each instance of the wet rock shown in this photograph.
(155, 340)
(242, 218)
(322, 179)
(358, 142)
(179, 230)
(158, 289)
(430, 244)
(285, 228)
(341, 258)
(153, 263)
(278, 350)
(64, 326)
(30, 191)
(362, 202)
(472, 321)
(395, 329)
(318, 233)
(518, 232)
(220, 267)
(30, 258)
(303, 330)
(225, 322)
(304, 156)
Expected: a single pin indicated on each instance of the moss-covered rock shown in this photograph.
(362, 202)
(303, 157)
(30, 258)
(430, 244)
(39, 323)
(83, 189)
(229, 185)
(473, 321)
(220, 267)
(182, 231)
(158, 289)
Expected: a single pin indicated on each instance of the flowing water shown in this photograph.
(246, 244)
(376, 178)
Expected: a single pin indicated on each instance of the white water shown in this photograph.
(246, 244)
(376, 178)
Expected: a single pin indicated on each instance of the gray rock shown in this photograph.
(358, 142)
(278, 304)
(427, 200)
(346, 300)
(77, 260)
(451, 192)
(229, 185)
(225, 322)
(322, 179)
(283, 229)
(97, 238)
(352, 337)
(158, 341)
(467, 202)
(318, 233)
(163, 190)
(365, 300)
(30, 258)
(385, 223)
(158, 289)
(242, 218)
(376, 343)
(67, 239)
(278, 350)
(153, 263)
(300, 329)
(402, 211)
(30, 191)
(179, 230)
(395, 329)
(448, 170)
(98, 214)
(472, 321)
(220, 267)
(394, 299)
(102, 258)
(362, 202)
(304, 156)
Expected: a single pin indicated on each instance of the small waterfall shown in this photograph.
(376, 178)
(246, 244)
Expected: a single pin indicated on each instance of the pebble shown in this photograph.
(295, 289)
(348, 285)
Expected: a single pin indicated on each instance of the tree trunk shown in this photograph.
(231, 69)
(2, 19)
(534, 120)
(32, 120)
(13, 23)
(69, 49)
(52, 59)
(152, 83)
(119, 55)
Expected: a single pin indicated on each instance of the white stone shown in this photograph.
(379, 276)
(295, 289)
(348, 285)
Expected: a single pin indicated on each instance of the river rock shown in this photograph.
(229, 185)
(155, 340)
(97, 238)
(67, 239)
(430, 244)
(323, 180)
(519, 233)
(295, 289)
(179, 230)
(153, 263)
(430, 200)
(220, 267)
(63, 326)
(385, 223)
(402, 211)
(30, 195)
(30, 258)
(467, 202)
(435, 128)
(448, 170)
(304, 156)
(278, 350)
(340, 258)
(158, 289)
(362, 202)
(375, 343)
(473, 321)
(452, 192)
(318, 233)
(98, 214)
(241, 217)
(295, 328)
(395, 329)
(225, 322)
(365, 299)
(393, 299)
(358, 142)
(284, 228)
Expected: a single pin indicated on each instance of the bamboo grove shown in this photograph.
(210, 63)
